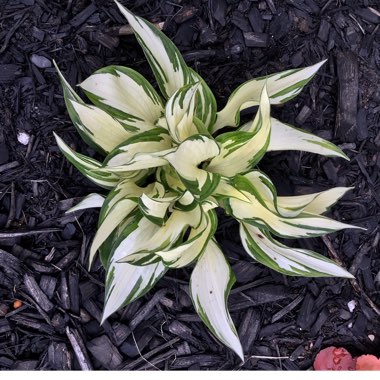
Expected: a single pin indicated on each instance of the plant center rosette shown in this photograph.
(167, 167)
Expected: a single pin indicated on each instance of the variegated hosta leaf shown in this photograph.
(186, 202)
(142, 151)
(240, 150)
(126, 95)
(143, 253)
(186, 161)
(118, 205)
(290, 261)
(88, 166)
(281, 87)
(154, 205)
(124, 189)
(169, 178)
(210, 285)
(206, 103)
(92, 200)
(179, 113)
(165, 60)
(188, 251)
(96, 127)
(257, 213)
(317, 203)
(286, 137)
(226, 190)
(125, 283)
(118, 212)
(292, 206)
(104, 130)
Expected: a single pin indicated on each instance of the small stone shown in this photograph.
(40, 61)
(23, 138)
(236, 49)
(351, 305)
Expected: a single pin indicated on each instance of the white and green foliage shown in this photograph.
(167, 173)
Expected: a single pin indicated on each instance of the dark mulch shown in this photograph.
(43, 253)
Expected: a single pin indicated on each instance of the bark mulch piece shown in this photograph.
(51, 305)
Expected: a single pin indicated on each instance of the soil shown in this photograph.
(50, 304)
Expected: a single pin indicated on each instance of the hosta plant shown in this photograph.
(168, 166)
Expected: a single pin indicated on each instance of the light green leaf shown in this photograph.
(199, 182)
(165, 60)
(92, 200)
(290, 261)
(210, 285)
(242, 150)
(179, 113)
(126, 95)
(88, 166)
(286, 137)
(281, 87)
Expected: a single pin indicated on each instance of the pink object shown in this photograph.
(334, 359)
(367, 363)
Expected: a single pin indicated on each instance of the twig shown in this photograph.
(149, 354)
(271, 357)
(356, 286)
(142, 357)
(7, 235)
(79, 349)
(12, 31)
(12, 208)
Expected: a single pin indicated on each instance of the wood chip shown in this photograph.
(59, 356)
(79, 349)
(146, 309)
(105, 352)
(348, 77)
(37, 294)
(254, 39)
